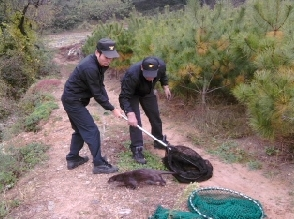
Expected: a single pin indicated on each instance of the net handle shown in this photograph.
(146, 132)
(222, 189)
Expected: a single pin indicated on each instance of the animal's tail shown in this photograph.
(168, 172)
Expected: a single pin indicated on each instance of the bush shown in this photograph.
(14, 162)
(41, 112)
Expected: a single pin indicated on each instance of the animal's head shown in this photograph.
(112, 179)
(118, 178)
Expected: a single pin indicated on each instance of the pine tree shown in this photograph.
(200, 53)
(269, 97)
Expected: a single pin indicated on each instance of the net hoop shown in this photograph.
(188, 165)
(240, 195)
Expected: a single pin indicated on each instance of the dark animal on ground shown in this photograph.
(132, 178)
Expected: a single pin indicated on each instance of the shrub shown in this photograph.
(14, 162)
(40, 112)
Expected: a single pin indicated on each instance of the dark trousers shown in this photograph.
(85, 130)
(150, 107)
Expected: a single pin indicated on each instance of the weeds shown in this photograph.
(230, 152)
(254, 165)
(14, 162)
(7, 206)
(33, 107)
(271, 151)
(127, 163)
(185, 195)
(41, 112)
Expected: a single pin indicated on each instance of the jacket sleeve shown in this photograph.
(162, 72)
(128, 87)
(95, 82)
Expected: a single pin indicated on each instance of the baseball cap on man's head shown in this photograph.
(107, 47)
(150, 67)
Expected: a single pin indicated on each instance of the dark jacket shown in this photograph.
(134, 83)
(87, 81)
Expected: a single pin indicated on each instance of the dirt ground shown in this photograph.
(52, 191)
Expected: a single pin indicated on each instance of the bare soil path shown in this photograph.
(51, 191)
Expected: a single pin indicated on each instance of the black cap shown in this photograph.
(150, 67)
(107, 47)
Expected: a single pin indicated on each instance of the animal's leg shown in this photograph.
(151, 182)
(159, 179)
(162, 181)
(131, 183)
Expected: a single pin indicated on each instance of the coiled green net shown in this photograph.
(220, 203)
(164, 213)
(215, 203)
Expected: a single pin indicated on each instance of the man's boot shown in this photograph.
(72, 164)
(158, 145)
(138, 154)
(104, 167)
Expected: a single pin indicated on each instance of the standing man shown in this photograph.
(137, 87)
(85, 82)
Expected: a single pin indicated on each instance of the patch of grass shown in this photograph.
(32, 108)
(14, 162)
(254, 165)
(127, 163)
(7, 206)
(230, 152)
(185, 195)
(41, 112)
(96, 117)
(271, 174)
(195, 139)
(271, 150)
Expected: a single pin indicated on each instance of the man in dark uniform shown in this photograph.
(137, 87)
(85, 82)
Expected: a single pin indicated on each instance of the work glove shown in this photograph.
(167, 92)
(132, 120)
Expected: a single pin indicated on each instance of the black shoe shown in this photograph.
(158, 145)
(104, 168)
(138, 155)
(72, 164)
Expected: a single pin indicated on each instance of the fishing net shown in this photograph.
(215, 203)
(220, 203)
(188, 164)
(164, 213)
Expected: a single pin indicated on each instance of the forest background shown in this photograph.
(229, 52)
(232, 61)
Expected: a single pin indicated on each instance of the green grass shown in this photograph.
(127, 163)
(254, 165)
(32, 108)
(14, 163)
(230, 152)
(271, 150)
(7, 206)
(41, 112)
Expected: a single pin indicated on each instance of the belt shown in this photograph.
(75, 99)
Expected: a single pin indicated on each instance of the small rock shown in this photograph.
(125, 211)
(50, 205)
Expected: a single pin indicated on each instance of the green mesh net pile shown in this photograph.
(215, 203)
(164, 213)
